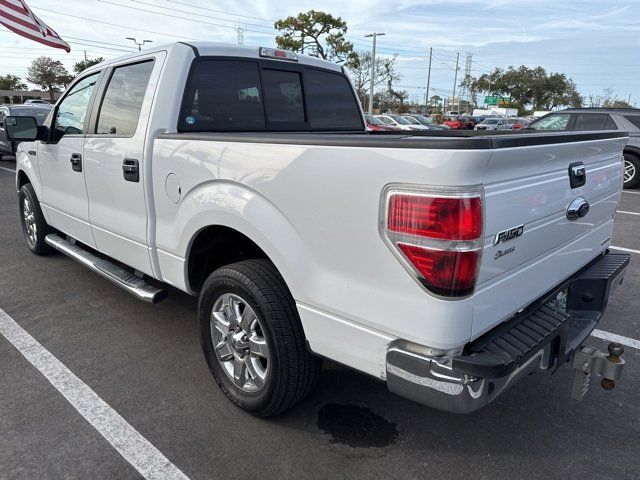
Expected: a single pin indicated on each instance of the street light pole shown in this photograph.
(373, 68)
(139, 44)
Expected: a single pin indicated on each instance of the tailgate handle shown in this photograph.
(577, 175)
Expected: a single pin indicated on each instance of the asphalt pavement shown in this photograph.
(145, 362)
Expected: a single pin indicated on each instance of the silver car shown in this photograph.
(492, 123)
(590, 119)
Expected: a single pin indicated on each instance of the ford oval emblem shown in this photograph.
(577, 209)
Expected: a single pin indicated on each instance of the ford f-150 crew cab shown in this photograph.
(448, 264)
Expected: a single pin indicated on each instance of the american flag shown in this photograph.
(17, 17)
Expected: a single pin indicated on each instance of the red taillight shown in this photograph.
(444, 218)
(438, 236)
(444, 271)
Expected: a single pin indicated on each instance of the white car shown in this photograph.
(493, 123)
(449, 267)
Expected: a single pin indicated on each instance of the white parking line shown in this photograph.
(622, 249)
(630, 193)
(628, 213)
(612, 337)
(136, 449)
(7, 169)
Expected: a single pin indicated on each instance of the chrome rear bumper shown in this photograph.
(539, 339)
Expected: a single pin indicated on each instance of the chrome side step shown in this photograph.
(115, 274)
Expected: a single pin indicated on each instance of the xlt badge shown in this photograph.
(509, 234)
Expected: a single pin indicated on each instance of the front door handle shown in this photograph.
(131, 170)
(76, 162)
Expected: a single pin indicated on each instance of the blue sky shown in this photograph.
(596, 43)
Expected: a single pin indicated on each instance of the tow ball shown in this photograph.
(592, 361)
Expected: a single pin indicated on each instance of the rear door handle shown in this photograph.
(577, 175)
(76, 162)
(131, 170)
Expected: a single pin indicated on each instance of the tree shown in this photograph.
(360, 73)
(82, 65)
(316, 33)
(11, 82)
(49, 74)
(529, 86)
(608, 99)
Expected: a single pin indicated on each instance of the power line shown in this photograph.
(182, 18)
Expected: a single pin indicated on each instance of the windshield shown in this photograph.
(400, 120)
(422, 119)
(386, 120)
(373, 120)
(412, 120)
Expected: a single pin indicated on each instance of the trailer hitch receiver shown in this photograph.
(592, 361)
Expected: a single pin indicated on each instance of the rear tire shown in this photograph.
(631, 171)
(253, 339)
(34, 226)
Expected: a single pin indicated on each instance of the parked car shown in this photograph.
(376, 125)
(492, 123)
(39, 112)
(37, 101)
(449, 267)
(415, 124)
(425, 122)
(516, 123)
(460, 122)
(609, 119)
(399, 122)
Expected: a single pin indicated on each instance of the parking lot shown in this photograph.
(145, 363)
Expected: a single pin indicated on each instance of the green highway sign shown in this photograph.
(491, 100)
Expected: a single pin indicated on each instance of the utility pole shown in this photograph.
(139, 44)
(85, 55)
(426, 95)
(240, 28)
(373, 68)
(467, 75)
(455, 81)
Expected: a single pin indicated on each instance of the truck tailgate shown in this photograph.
(530, 243)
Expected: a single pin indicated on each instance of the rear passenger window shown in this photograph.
(635, 119)
(331, 102)
(120, 109)
(223, 95)
(283, 96)
(593, 121)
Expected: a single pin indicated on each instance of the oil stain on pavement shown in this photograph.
(356, 426)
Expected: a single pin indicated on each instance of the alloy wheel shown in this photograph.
(629, 171)
(239, 342)
(29, 217)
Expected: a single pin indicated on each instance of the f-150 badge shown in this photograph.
(509, 234)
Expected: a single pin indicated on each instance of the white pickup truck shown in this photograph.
(448, 264)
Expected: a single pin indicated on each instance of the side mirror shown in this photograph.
(21, 129)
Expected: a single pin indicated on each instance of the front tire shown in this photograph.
(631, 171)
(253, 340)
(34, 226)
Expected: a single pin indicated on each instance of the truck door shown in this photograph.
(115, 163)
(61, 163)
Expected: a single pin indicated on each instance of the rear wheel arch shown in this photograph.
(215, 246)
